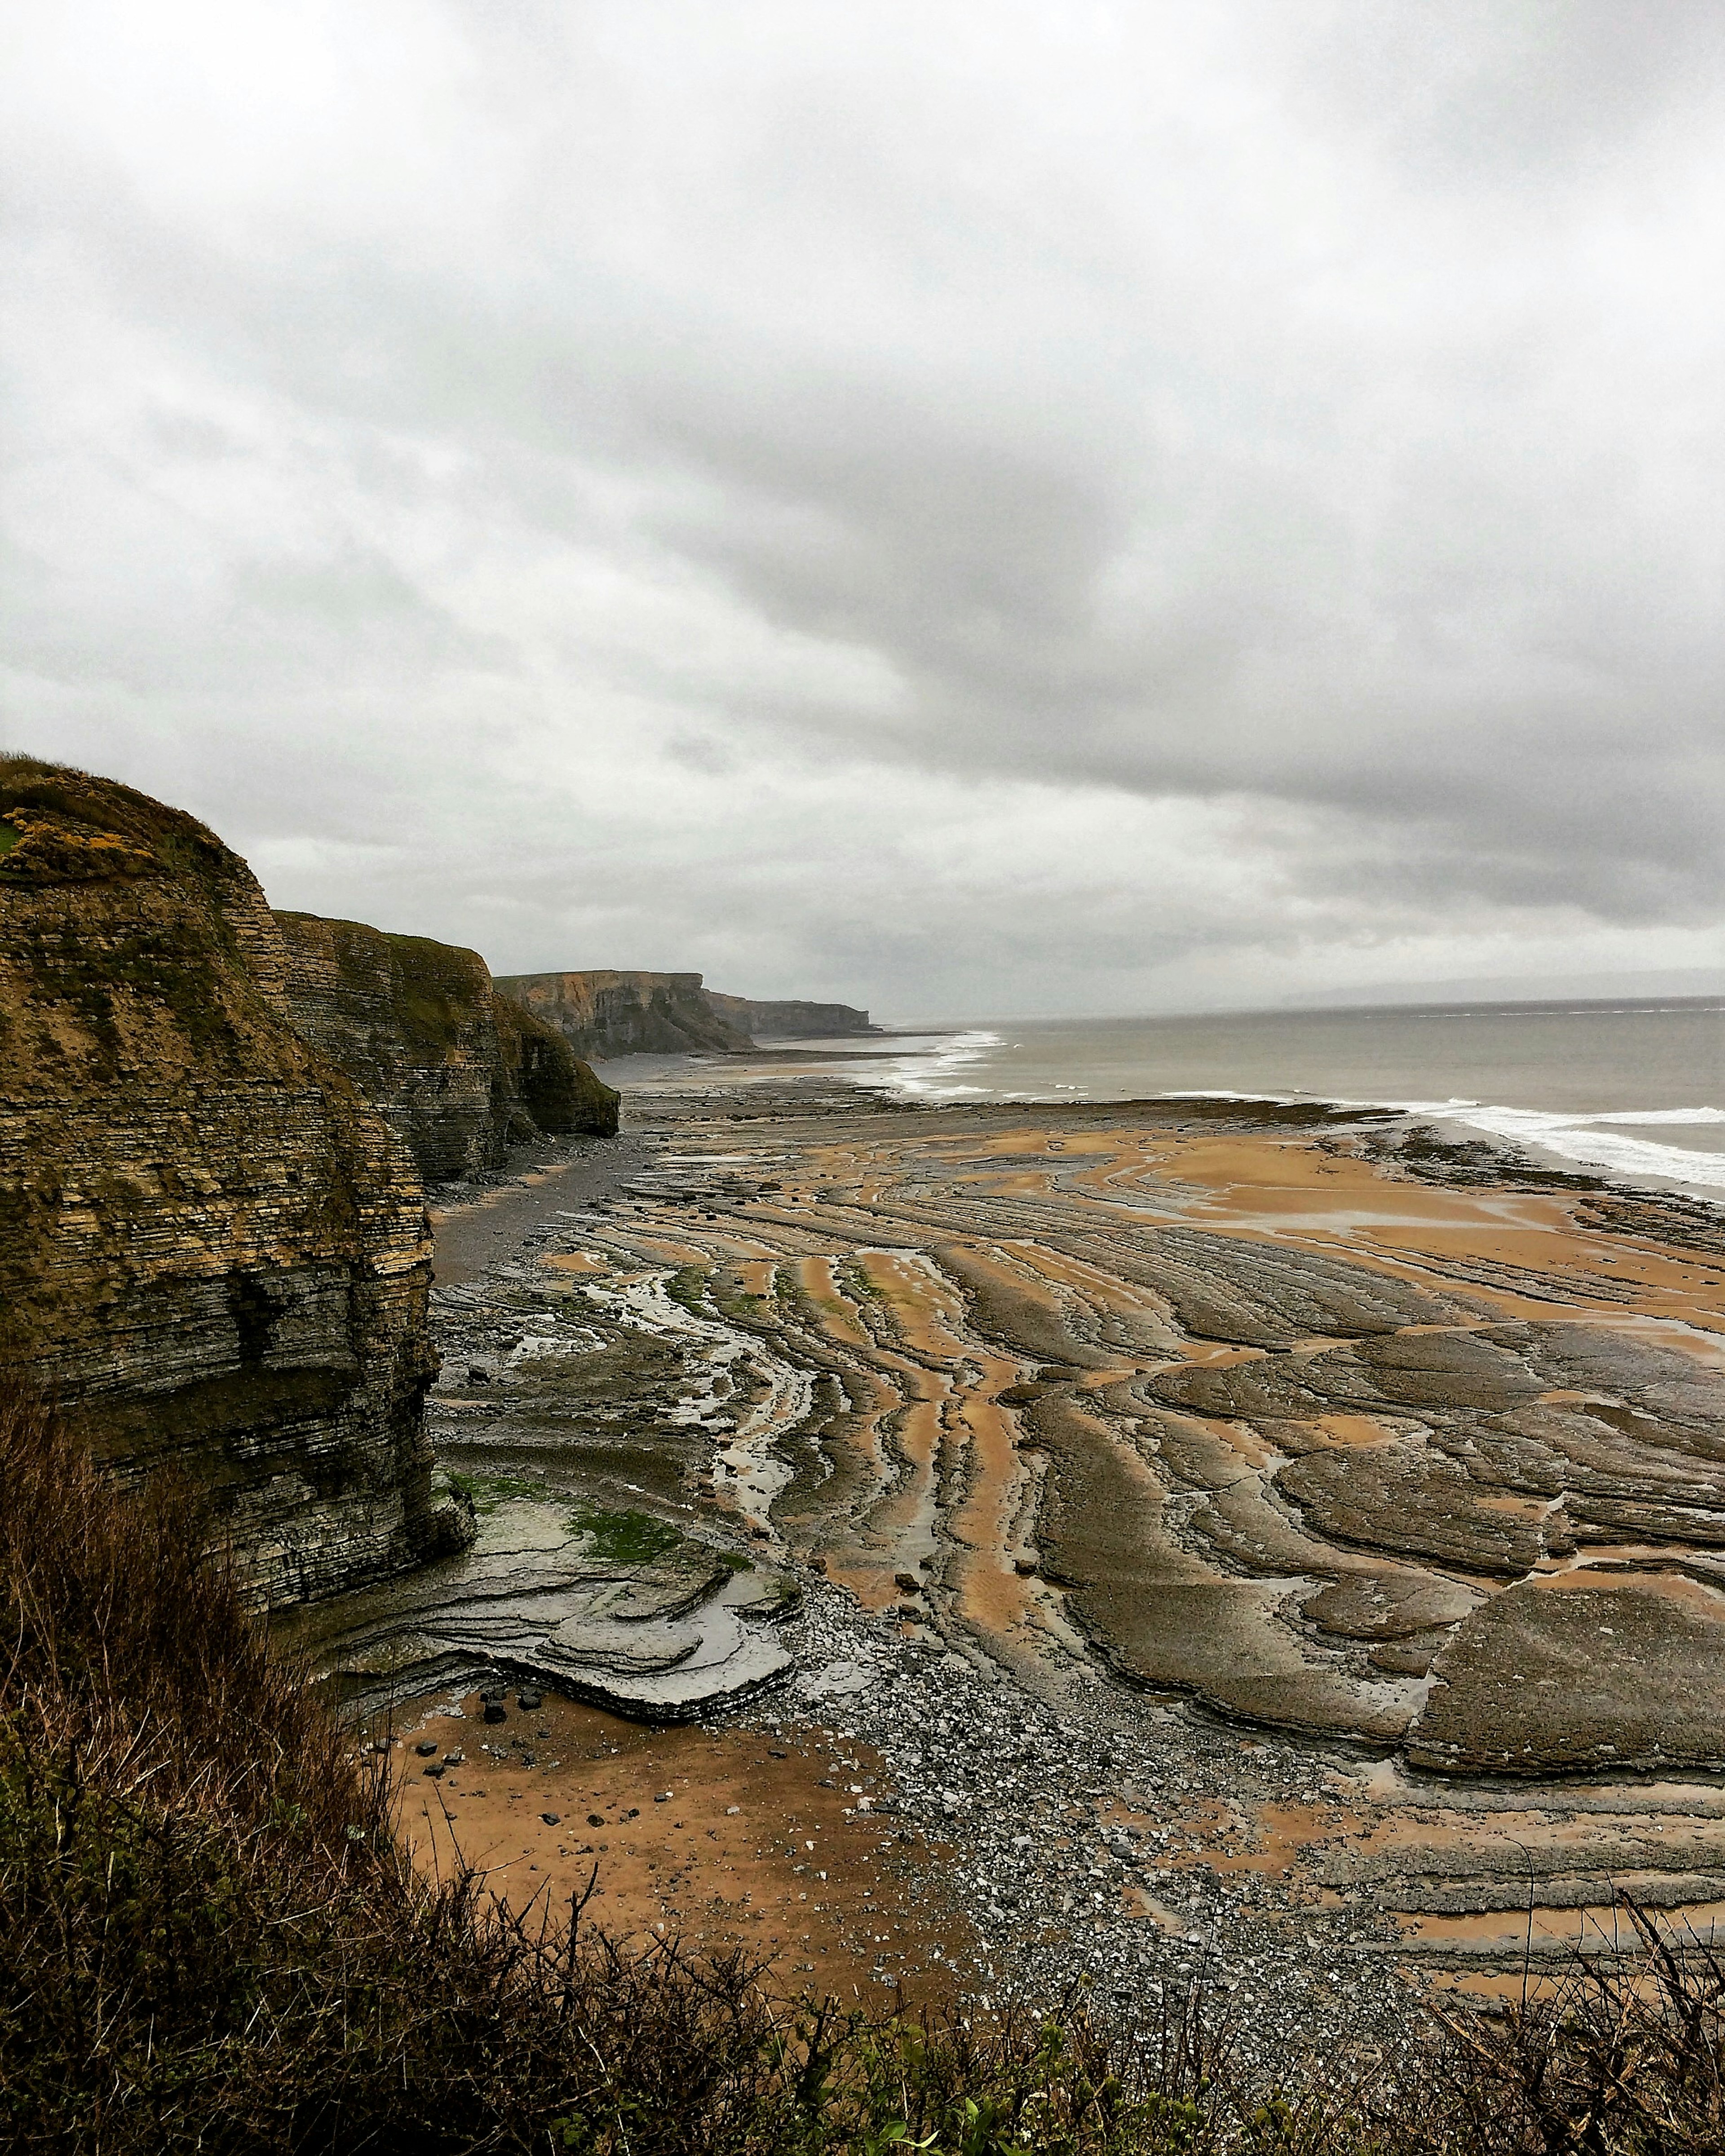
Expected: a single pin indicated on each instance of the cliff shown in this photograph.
(461, 1071)
(212, 1249)
(788, 1021)
(622, 1014)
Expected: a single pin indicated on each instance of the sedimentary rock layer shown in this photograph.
(1327, 1451)
(212, 1249)
(1143, 1411)
(1215, 1400)
(788, 1021)
(461, 1071)
(626, 1013)
(581, 1413)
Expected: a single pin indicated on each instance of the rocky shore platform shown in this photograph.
(1259, 1549)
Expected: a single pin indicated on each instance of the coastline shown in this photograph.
(1224, 1793)
(1594, 1087)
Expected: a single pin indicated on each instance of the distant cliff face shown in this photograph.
(554, 1087)
(461, 1072)
(611, 1014)
(788, 1021)
(213, 1249)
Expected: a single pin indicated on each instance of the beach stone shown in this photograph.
(528, 1701)
(496, 1712)
(426, 1751)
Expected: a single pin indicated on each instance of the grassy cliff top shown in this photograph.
(59, 824)
(438, 991)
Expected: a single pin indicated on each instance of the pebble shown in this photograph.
(1017, 1788)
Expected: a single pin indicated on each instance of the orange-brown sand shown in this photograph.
(725, 1840)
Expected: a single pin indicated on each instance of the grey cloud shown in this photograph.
(1295, 421)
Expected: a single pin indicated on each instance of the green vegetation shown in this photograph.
(687, 1288)
(209, 1940)
(625, 1538)
(857, 1285)
(735, 1301)
(108, 819)
(793, 1298)
(489, 1491)
(168, 944)
(436, 989)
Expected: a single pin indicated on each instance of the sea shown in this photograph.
(1630, 1089)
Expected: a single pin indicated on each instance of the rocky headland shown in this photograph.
(215, 1252)
(789, 1020)
(609, 1013)
(460, 1070)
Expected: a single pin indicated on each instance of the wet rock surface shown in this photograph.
(569, 1597)
(1248, 1506)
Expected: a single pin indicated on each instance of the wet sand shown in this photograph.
(766, 1841)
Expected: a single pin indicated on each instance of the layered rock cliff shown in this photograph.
(788, 1021)
(213, 1250)
(625, 1014)
(461, 1071)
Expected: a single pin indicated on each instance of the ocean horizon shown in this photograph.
(1625, 1086)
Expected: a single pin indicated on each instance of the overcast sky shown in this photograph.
(969, 507)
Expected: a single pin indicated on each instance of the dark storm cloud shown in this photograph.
(987, 504)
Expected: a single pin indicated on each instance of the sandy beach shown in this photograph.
(766, 1841)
